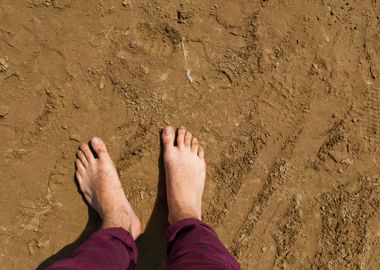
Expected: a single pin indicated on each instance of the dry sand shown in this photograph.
(284, 95)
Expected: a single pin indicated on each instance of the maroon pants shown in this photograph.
(191, 244)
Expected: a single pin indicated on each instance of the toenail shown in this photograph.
(167, 132)
(95, 141)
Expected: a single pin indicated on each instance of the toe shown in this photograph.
(81, 181)
(188, 138)
(82, 158)
(83, 187)
(87, 153)
(79, 166)
(79, 178)
(88, 198)
(194, 145)
(99, 148)
(181, 137)
(168, 136)
(201, 152)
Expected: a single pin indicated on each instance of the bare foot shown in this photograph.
(102, 189)
(185, 170)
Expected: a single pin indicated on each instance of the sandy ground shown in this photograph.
(284, 95)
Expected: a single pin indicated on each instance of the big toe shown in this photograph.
(99, 147)
(168, 136)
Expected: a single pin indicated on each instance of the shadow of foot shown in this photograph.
(152, 244)
(93, 224)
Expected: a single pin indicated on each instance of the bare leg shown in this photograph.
(192, 244)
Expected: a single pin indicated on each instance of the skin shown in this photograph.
(185, 171)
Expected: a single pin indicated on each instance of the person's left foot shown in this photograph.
(102, 189)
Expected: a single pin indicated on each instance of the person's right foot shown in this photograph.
(185, 170)
(100, 184)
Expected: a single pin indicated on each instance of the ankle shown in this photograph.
(174, 218)
(120, 218)
(123, 220)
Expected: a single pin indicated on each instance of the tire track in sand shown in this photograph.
(286, 234)
(233, 167)
(345, 215)
(373, 107)
(279, 154)
(279, 157)
(252, 137)
(275, 178)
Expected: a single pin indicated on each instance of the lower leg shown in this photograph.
(191, 243)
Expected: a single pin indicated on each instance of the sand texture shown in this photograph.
(284, 95)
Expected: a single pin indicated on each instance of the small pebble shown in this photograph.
(3, 64)
(4, 110)
(43, 244)
(355, 120)
(101, 85)
(347, 161)
(126, 3)
(75, 137)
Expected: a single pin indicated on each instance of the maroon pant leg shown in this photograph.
(111, 249)
(194, 245)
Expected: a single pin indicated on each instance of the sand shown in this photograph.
(284, 95)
